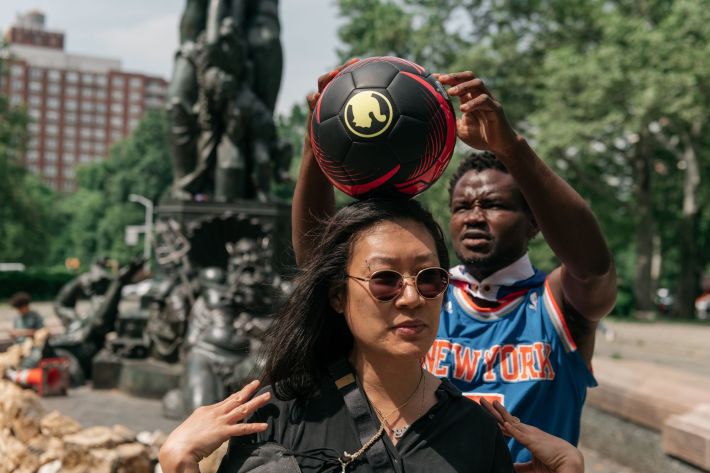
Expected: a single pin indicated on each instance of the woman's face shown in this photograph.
(405, 326)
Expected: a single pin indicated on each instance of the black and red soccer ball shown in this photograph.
(383, 126)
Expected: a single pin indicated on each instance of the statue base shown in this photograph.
(208, 226)
(143, 378)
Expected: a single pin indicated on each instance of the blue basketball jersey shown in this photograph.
(520, 353)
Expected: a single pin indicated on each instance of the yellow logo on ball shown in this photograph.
(364, 114)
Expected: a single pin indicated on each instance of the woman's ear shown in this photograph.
(336, 296)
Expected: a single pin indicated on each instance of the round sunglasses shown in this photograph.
(388, 284)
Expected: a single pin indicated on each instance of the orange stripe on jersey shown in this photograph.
(508, 299)
(559, 315)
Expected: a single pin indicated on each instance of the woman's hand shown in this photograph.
(550, 454)
(483, 124)
(208, 427)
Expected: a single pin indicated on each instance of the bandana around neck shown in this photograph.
(518, 275)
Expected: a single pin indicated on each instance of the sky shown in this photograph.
(143, 34)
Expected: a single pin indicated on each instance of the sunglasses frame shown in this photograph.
(403, 278)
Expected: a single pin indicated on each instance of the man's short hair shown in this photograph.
(20, 299)
(475, 161)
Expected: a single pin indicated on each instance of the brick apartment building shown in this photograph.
(79, 105)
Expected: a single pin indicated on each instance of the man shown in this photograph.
(508, 332)
(27, 320)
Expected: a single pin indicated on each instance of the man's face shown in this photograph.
(490, 222)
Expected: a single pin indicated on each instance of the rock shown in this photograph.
(22, 411)
(54, 450)
(133, 458)
(16, 457)
(51, 467)
(123, 434)
(55, 424)
(93, 437)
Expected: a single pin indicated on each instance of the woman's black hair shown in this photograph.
(307, 334)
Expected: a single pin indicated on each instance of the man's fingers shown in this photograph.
(241, 412)
(489, 407)
(480, 102)
(504, 414)
(312, 100)
(455, 78)
(474, 87)
(238, 430)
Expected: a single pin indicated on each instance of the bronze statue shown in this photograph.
(221, 101)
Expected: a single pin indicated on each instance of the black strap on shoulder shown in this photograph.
(357, 405)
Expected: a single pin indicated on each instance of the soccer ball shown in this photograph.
(383, 126)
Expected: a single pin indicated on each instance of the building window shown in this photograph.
(85, 133)
(17, 71)
(17, 84)
(32, 142)
(136, 82)
(100, 120)
(85, 146)
(70, 104)
(49, 170)
(50, 144)
(100, 148)
(116, 136)
(52, 102)
(36, 73)
(33, 168)
(70, 90)
(101, 80)
(69, 131)
(35, 86)
(68, 158)
(100, 94)
(117, 95)
(135, 109)
(87, 92)
(117, 82)
(54, 75)
(87, 79)
(70, 145)
(101, 107)
(69, 118)
(32, 156)
(117, 108)
(35, 101)
(84, 158)
(33, 128)
(133, 123)
(87, 119)
(117, 121)
(50, 156)
(68, 171)
(99, 134)
(53, 89)
(87, 106)
(51, 129)
(35, 114)
(136, 97)
(52, 116)
(16, 100)
(71, 77)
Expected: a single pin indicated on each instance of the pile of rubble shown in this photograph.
(34, 441)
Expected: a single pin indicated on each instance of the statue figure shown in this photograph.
(221, 101)
(227, 323)
(85, 336)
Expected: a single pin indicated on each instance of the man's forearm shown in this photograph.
(313, 201)
(565, 219)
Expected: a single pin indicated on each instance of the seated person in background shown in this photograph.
(348, 392)
(27, 321)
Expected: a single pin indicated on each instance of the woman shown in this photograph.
(344, 360)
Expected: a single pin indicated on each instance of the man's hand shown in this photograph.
(208, 427)
(550, 454)
(483, 124)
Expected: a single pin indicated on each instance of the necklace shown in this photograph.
(398, 432)
(348, 458)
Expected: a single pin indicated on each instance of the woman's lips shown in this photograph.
(409, 328)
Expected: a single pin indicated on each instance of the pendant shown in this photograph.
(398, 432)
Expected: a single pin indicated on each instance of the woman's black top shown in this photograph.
(455, 435)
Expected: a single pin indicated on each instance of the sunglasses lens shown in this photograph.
(431, 282)
(385, 285)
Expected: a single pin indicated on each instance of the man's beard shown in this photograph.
(483, 266)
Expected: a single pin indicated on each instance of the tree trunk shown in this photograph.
(643, 281)
(688, 287)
